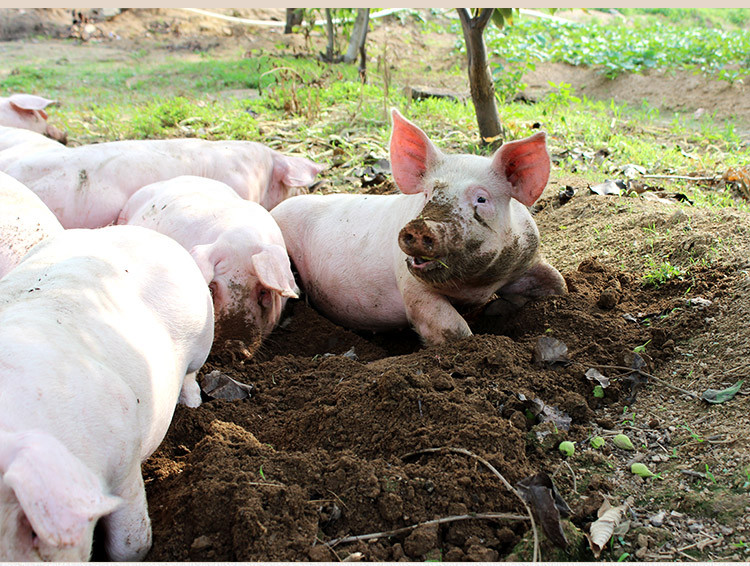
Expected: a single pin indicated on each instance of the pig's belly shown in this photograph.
(353, 306)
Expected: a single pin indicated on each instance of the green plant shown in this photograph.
(660, 273)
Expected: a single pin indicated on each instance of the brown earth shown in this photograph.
(324, 447)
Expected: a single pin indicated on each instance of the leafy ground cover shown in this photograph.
(327, 445)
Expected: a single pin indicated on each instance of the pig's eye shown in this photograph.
(481, 200)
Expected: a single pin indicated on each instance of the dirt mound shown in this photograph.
(319, 452)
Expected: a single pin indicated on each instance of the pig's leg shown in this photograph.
(433, 317)
(128, 528)
(539, 281)
(191, 392)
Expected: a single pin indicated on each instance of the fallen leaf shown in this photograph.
(595, 375)
(716, 396)
(546, 504)
(550, 351)
(608, 188)
(603, 528)
(218, 385)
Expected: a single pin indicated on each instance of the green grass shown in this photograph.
(321, 106)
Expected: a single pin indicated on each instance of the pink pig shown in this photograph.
(459, 234)
(87, 186)
(24, 222)
(236, 243)
(101, 333)
(27, 111)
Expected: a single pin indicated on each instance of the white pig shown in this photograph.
(236, 243)
(101, 333)
(27, 111)
(459, 234)
(87, 186)
(24, 221)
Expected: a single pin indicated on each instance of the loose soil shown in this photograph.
(324, 448)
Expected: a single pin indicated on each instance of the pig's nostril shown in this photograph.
(408, 238)
(427, 241)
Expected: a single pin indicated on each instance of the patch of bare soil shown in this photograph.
(324, 448)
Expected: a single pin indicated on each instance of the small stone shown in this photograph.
(658, 519)
(201, 543)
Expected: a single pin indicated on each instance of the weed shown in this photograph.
(660, 273)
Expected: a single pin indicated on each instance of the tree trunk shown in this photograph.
(329, 33)
(359, 35)
(293, 18)
(480, 79)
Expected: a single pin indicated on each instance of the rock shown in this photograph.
(658, 519)
(608, 299)
(201, 543)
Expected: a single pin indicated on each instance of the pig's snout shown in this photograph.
(421, 239)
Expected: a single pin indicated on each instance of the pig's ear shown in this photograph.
(526, 165)
(295, 171)
(202, 256)
(412, 154)
(30, 103)
(59, 495)
(274, 272)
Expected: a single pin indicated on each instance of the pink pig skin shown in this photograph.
(27, 111)
(24, 222)
(460, 233)
(236, 243)
(101, 333)
(87, 186)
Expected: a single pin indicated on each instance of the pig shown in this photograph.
(27, 111)
(24, 221)
(24, 142)
(101, 334)
(460, 233)
(236, 243)
(87, 186)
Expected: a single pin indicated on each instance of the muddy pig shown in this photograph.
(27, 111)
(87, 186)
(102, 332)
(24, 222)
(236, 243)
(460, 233)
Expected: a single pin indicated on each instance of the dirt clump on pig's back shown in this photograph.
(322, 448)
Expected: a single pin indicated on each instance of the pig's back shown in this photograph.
(345, 249)
(24, 221)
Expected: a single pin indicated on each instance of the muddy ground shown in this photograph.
(324, 447)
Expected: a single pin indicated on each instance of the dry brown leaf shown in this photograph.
(603, 528)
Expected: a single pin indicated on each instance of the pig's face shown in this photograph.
(470, 230)
(49, 500)
(20, 543)
(27, 111)
(249, 286)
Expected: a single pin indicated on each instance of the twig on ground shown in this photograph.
(656, 379)
(494, 471)
(682, 177)
(442, 520)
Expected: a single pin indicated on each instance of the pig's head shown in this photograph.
(27, 111)
(472, 229)
(250, 284)
(290, 177)
(49, 500)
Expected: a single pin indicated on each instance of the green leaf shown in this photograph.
(599, 392)
(641, 470)
(721, 395)
(567, 448)
(597, 442)
(622, 441)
